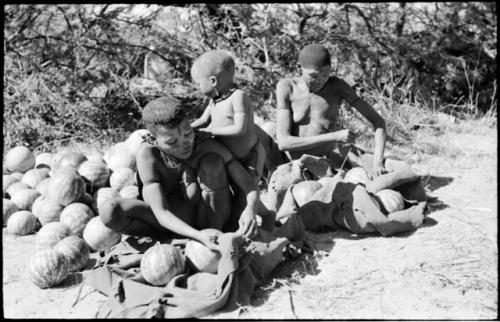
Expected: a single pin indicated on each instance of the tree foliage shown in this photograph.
(67, 68)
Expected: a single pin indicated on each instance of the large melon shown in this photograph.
(98, 236)
(70, 159)
(48, 268)
(9, 208)
(66, 186)
(24, 198)
(34, 176)
(18, 175)
(19, 159)
(95, 173)
(204, 259)
(43, 186)
(121, 177)
(16, 186)
(76, 216)
(102, 195)
(390, 200)
(43, 160)
(161, 263)
(75, 250)
(7, 181)
(22, 223)
(303, 191)
(131, 192)
(134, 141)
(51, 233)
(119, 156)
(357, 175)
(95, 155)
(47, 210)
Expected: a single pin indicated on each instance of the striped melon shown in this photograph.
(47, 210)
(19, 159)
(66, 186)
(18, 175)
(76, 216)
(75, 250)
(161, 263)
(390, 200)
(9, 208)
(34, 176)
(204, 259)
(95, 173)
(43, 186)
(131, 192)
(43, 160)
(357, 175)
(98, 236)
(16, 186)
(48, 268)
(102, 195)
(121, 177)
(24, 198)
(22, 223)
(119, 156)
(7, 181)
(70, 159)
(51, 233)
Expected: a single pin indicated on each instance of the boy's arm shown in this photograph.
(203, 120)
(288, 142)
(373, 117)
(242, 110)
(154, 194)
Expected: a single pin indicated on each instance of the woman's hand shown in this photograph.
(378, 168)
(248, 223)
(208, 239)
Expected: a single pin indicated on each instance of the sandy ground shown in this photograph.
(445, 270)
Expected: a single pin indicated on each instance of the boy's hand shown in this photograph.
(345, 135)
(208, 239)
(248, 223)
(378, 168)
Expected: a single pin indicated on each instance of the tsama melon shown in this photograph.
(66, 186)
(390, 200)
(19, 159)
(120, 157)
(21, 223)
(75, 250)
(303, 191)
(131, 192)
(24, 198)
(121, 177)
(18, 175)
(48, 268)
(34, 176)
(16, 186)
(98, 236)
(204, 259)
(47, 210)
(51, 233)
(102, 195)
(95, 173)
(43, 160)
(357, 175)
(7, 181)
(9, 208)
(76, 216)
(95, 155)
(70, 159)
(134, 141)
(161, 263)
(43, 186)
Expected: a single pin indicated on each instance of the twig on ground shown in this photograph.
(291, 304)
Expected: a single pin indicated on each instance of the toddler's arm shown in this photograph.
(203, 120)
(242, 110)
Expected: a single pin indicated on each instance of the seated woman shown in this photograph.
(183, 183)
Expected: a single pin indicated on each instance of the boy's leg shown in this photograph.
(214, 209)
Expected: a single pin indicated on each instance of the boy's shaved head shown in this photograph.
(314, 56)
(213, 63)
(167, 111)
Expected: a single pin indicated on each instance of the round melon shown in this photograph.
(75, 250)
(131, 192)
(51, 233)
(19, 159)
(120, 157)
(47, 210)
(7, 181)
(95, 155)
(121, 177)
(21, 223)
(102, 195)
(18, 175)
(98, 236)
(161, 263)
(34, 176)
(43, 160)
(76, 216)
(9, 208)
(24, 198)
(16, 186)
(70, 159)
(43, 186)
(204, 259)
(357, 175)
(66, 186)
(95, 173)
(303, 191)
(390, 200)
(134, 141)
(48, 268)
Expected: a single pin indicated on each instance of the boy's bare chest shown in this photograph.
(222, 113)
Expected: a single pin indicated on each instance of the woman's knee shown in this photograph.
(113, 216)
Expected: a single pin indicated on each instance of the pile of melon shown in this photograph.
(57, 196)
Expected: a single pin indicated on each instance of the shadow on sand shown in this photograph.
(433, 182)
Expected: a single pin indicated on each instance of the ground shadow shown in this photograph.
(434, 182)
